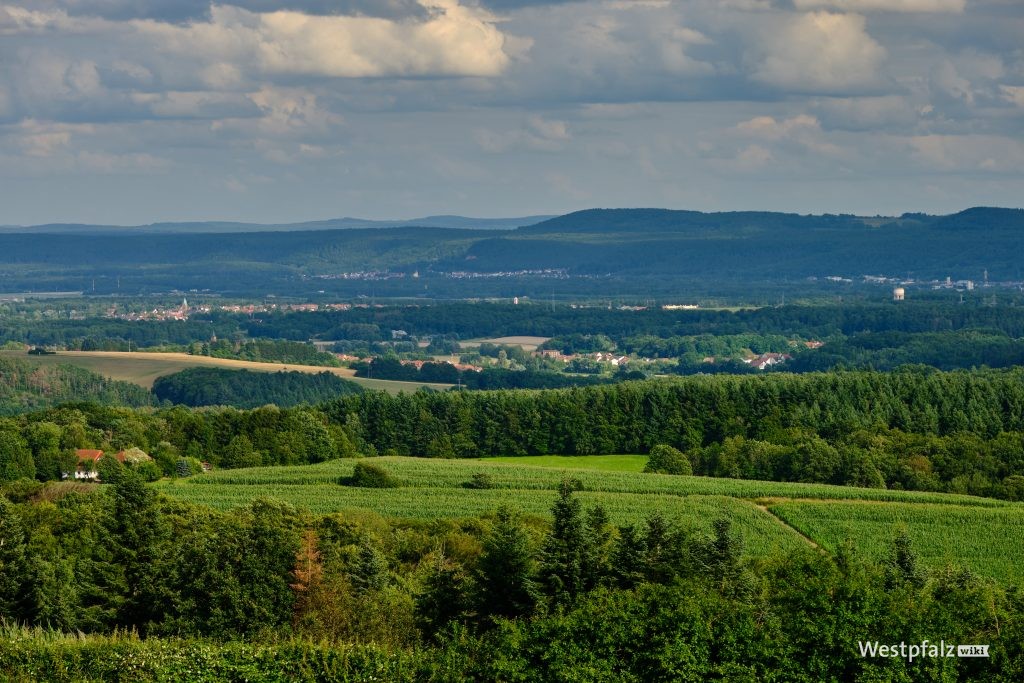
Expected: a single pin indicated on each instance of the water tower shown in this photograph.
(899, 294)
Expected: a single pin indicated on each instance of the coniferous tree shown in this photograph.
(506, 573)
(902, 567)
(370, 572)
(565, 550)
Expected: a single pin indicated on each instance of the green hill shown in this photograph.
(26, 386)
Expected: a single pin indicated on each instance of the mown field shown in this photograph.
(143, 368)
(768, 515)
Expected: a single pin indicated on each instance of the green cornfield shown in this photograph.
(989, 541)
(983, 534)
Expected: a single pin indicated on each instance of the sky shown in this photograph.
(136, 111)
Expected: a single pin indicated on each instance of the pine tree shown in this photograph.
(445, 596)
(506, 570)
(565, 550)
(135, 539)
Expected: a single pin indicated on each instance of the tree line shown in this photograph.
(249, 389)
(914, 429)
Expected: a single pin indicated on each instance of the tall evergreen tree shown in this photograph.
(565, 549)
(506, 572)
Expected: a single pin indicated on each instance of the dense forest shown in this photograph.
(913, 429)
(498, 598)
(488, 378)
(26, 386)
(247, 389)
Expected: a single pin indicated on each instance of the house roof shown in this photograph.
(89, 454)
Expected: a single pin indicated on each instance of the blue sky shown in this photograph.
(127, 111)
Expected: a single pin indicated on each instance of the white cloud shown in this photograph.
(818, 52)
(769, 128)
(884, 5)
(454, 40)
(801, 131)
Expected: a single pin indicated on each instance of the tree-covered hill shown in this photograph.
(26, 386)
(628, 249)
(245, 389)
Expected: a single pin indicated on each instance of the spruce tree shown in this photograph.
(506, 570)
(565, 549)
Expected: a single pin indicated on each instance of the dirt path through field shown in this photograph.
(810, 541)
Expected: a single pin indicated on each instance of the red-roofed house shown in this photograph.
(88, 459)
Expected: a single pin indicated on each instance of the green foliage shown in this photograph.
(506, 570)
(369, 476)
(370, 571)
(110, 469)
(665, 459)
(14, 568)
(25, 386)
(249, 389)
(15, 457)
(901, 567)
(480, 480)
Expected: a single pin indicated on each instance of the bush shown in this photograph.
(665, 459)
(369, 476)
(186, 467)
(480, 480)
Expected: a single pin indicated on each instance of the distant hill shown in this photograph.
(461, 222)
(594, 251)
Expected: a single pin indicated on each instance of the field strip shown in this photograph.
(810, 541)
(144, 367)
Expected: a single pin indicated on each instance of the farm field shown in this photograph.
(143, 368)
(526, 342)
(605, 463)
(989, 540)
(766, 514)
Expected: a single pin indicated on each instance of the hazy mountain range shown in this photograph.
(592, 251)
(346, 223)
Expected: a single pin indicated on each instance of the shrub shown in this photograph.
(665, 459)
(369, 476)
(480, 480)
